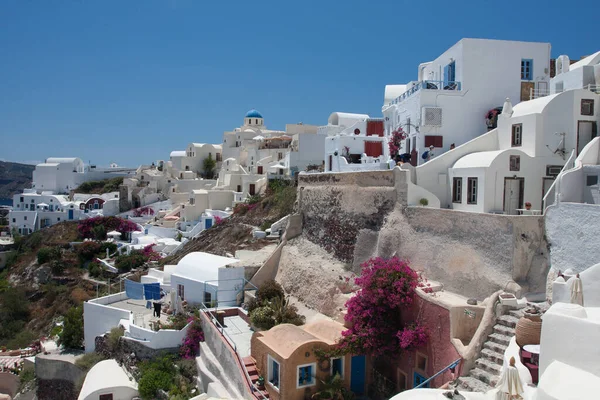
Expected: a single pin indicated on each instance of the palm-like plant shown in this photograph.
(333, 388)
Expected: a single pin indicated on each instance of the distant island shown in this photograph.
(14, 177)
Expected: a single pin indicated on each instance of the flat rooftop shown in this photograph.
(139, 310)
(239, 332)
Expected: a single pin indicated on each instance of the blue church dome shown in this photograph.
(253, 114)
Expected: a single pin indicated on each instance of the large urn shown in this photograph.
(529, 328)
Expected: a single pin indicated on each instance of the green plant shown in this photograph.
(46, 254)
(155, 375)
(333, 388)
(26, 375)
(255, 198)
(126, 263)
(21, 340)
(99, 232)
(113, 338)
(57, 267)
(424, 202)
(274, 312)
(208, 166)
(95, 270)
(88, 360)
(72, 333)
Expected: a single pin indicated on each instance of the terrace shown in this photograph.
(428, 85)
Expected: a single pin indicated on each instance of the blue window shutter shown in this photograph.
(527, 69)
(446, 73)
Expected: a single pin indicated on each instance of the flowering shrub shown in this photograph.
(86, 227)
(191, 342)
(150, 254)
(138, 212)
(386, 288)
(218, 220)
(395, 143)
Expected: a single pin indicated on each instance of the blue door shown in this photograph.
(358, 371)
(70, 214)
(207, 223)
(418, 379)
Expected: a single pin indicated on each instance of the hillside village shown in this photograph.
(443, 249)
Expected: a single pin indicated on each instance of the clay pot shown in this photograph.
(529, 329)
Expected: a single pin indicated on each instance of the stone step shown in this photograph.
(499, 338)
(504, 330)
(496, 347)
(492, 355)
(484, 376)
(489, 366)
(473, 384)
(508, 320)
(516, 313)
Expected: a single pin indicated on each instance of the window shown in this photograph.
(515, 163)
(14, 220)
(526, 70)
(257, 122)
(517, 136)
(306, 375)
(408, 125)
(22, 199)
(25, 218)
(273, 372)
(434, 140)
(472, 190)
(587, 107)
(207, 298)
(219, 159)
(402, 381)
(591, 180)
(337, 367)
(106, 397)
(181, 292)
(457, 190)
(421, 362)
(279, 156)
(192, 201)
(58, 219)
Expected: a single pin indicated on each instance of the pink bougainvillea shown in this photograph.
(191, 342)
(375, 312)
(142, 211)
(218, 220)
(150, 254)
(85, 226)
(395, 143)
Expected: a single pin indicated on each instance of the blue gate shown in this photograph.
(358, 369)
(70, 214)
(207, 223)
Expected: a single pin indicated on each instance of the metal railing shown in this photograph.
(554, 188)
(454, 364)
(428, 85)
(593, 88)
(537, 93)
(221, 329)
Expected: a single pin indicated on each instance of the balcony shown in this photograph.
(427, 85)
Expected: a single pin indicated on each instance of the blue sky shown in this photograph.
(129, 81)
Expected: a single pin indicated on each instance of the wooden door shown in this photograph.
(252, 189)
(513, 195)
(526, 90)
(260, 169)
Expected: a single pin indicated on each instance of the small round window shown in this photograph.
(357, 131)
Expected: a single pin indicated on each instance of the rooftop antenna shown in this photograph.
(560, 150)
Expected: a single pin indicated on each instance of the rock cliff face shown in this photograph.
(355, 216)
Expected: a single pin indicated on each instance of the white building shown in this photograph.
(209, 279)
(108, 380)
(61, 175)
(584, 73)
(32, 211)
(517, 162)
(354, 142)
(449, 101)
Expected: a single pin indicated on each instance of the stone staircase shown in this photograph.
(250, 365)
(488, 367)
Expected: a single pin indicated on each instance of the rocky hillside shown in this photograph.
(14, 178)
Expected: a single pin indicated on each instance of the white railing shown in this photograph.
(593, 88)
(537, 93)
(553, 191)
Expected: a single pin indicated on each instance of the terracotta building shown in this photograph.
(285, 356)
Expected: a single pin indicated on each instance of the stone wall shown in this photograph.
(355, 216)
(57, 374)
(573, 230)
(335, 207)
